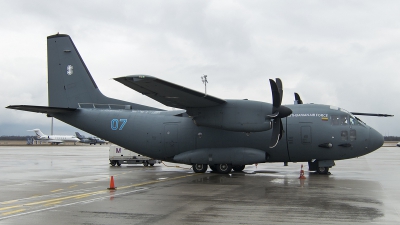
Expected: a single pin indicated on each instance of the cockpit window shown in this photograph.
(344, 120)
(340, 120)
(353, 121)
(335, 120)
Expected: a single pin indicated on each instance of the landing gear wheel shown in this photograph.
(199, 168)
(323, 170)
(213, 167)
(151, 164)
(113, 163)
(145, 163)
(118, 163)
(224, 168)
(238, 168)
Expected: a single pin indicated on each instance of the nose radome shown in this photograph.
(375, 139)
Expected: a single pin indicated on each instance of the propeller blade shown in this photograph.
(276, 132)
(280, 89)
(297, 99)
(276, 97)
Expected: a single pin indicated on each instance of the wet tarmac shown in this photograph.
(68, 185)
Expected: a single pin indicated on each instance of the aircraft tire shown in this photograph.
(224, 168)
(113, 162)
(238, 168)
(118, 163)
(323, 170)
(200, 168)
(145, 163)
(151, 164)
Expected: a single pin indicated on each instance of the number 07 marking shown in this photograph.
(115, 124)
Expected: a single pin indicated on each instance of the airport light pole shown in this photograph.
(204, 80)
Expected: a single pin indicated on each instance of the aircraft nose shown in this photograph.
(375, 139)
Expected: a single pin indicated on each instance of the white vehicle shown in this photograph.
(119, 155)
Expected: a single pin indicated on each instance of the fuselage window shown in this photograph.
(353, 135)
(344, 135)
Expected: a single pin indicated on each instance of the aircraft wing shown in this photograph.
(167, 93)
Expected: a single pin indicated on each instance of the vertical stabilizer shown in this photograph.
(38, 133)
(69, 80)
(78, 135)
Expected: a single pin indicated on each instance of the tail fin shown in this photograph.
(69, 80)
(78, 135)
(39, 133)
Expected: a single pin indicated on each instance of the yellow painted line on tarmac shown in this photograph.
(56, 190)
(79, 196)
(12, 212)
(10, 207)
(72, 186)
(65, 198)
(53, 203)
(8, 202)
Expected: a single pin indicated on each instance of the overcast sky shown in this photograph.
(342, 53)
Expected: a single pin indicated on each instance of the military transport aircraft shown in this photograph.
(89, 140)
(223, 134)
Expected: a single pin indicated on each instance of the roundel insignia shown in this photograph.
(70, 69)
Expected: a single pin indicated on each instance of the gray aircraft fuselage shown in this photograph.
(162, 135)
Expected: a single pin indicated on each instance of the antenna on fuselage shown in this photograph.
(204, 80)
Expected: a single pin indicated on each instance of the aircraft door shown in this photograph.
(300, 141)
(306, 135)
(171, 147)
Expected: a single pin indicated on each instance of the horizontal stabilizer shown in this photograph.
(167, 93)
(370, 114)
(40, 109)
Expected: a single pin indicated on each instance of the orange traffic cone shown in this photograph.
(112, 187)
(302, 173)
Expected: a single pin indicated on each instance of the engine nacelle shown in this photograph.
(235, 115)
(234, 156)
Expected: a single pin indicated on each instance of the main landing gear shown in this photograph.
(323, 170)
(219, 168)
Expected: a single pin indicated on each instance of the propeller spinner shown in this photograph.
(278, 111)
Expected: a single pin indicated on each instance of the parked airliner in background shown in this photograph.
(54, 139)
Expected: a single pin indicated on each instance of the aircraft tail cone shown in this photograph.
(302, 173)
(112, 186)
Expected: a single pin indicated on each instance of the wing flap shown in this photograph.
(167, 93)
